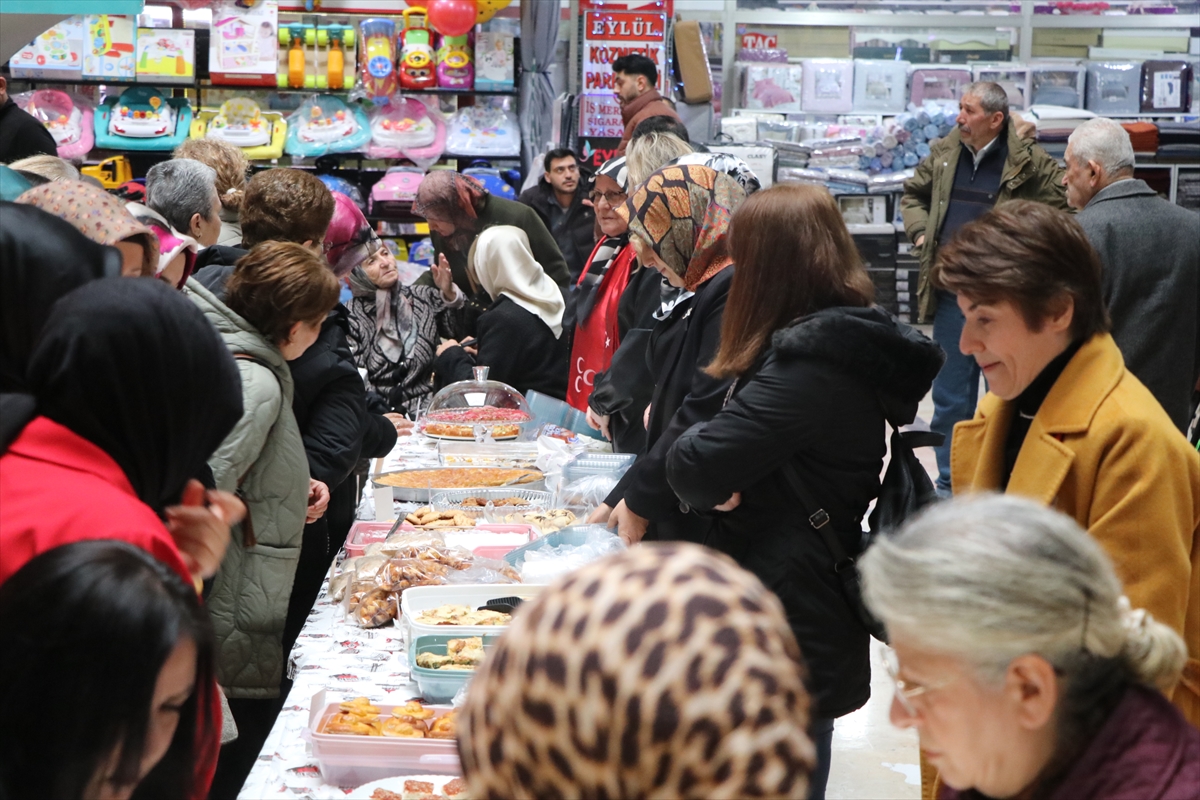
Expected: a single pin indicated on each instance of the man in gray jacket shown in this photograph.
(1150, 250)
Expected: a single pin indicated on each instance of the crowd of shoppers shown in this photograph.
(213, 426)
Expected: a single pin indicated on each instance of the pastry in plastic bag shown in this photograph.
(401, 573)
(377, 607)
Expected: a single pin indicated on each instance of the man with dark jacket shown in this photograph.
(560, 199)
(634, 79)
(1154, 301)
(21, 135)
(982, 163)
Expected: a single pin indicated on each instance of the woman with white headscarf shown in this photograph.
(520, 336)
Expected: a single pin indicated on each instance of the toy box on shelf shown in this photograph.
(166, 55)
(495, 62)
(242, 123)
(243, 47)
(379, 57)
(417, 56)
(316, 56)
(108, 50)
(142, 119)
(69, 119)
(56, 54)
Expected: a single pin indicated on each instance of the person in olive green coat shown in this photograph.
(458, 209)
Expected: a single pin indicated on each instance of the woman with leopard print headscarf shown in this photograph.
(664, 671)
(679, 225)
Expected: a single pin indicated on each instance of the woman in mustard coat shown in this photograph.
(1064, 422)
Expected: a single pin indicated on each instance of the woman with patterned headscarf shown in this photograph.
(458, 209)
(664, 671)
(679, 226)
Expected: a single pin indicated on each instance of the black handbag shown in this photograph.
(905, 489)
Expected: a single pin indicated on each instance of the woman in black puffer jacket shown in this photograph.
(815, 367)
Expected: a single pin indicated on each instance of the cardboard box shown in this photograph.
(109, 47)
(1066, 36)
(693, 62)
(495, 66)
(244, 44)
(56, 54)
(166, 55)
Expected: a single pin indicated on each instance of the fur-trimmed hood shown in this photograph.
(895, 359)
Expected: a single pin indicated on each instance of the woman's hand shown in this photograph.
(404, 426)
(443, 278)
(200, 527)
(630, 527)
(733, 502)
(446, 345)
(646, 418)
(598, 422)
(318, 500)
(600, 515)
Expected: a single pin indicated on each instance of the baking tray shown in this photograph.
(423, 495)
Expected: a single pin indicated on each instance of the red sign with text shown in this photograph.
(608, 35)
(759, 41)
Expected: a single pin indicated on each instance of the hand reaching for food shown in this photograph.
(403, 425)
(598, 422)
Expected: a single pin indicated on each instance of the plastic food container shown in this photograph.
(481, 537)
(452, 501)
(494, 454)
(467, 409)
(440, 685)
(574, 536)
(424, 598)
(350, 761)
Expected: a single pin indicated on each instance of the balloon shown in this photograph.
(452, 17)
(488, 9)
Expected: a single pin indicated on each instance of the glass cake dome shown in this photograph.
(475, 410)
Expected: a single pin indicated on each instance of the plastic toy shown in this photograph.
(166, 55)
(416, 51)
(142, 119)
(316, 56)
(492, 180)
(112, 172)
(325, 124)
(396, 191)
(68, 119)
(406, 128)
(240, 121)
(455, 69)
(483, 131)
(343, 186)
(243, 46)
(379, 57)
(108, 47)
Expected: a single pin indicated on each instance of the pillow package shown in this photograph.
(1114, 87)
(1057, 84)
(1166, 87)
(932, 83)
(773, 87)
(880, 85)
(828, 85)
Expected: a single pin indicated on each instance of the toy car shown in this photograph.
(397, 190)
(142, 113)
(416, 52)
(493, 181)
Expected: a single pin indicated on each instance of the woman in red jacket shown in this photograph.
(130, 390)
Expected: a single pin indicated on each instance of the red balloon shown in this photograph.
(452, 17)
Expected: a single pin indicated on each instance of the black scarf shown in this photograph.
(41, 258)
(133, 367)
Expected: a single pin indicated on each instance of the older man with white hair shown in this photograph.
(1150, 249)
(184, 191)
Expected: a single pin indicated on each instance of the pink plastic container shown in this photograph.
(365, 533)
(350, 761)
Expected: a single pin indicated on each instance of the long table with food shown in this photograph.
(430, 575)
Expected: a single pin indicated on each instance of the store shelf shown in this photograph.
(99, 82)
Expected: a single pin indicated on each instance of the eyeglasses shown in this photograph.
(612, 198)
(906, 692)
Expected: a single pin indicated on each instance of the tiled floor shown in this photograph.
(872, 760)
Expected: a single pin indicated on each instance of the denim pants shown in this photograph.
(821, 731)
(956, 387)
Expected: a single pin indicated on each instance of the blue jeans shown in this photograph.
(821, 730)
(956, 387)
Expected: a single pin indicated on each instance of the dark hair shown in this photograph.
(1030, 255)
(278, 284)
(637, 64)
(793, 256)
(660, 124)
(285, 205)
(556, 154)
(87, 628)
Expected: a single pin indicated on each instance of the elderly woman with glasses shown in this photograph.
(1020, 663)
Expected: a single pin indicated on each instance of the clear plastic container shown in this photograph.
(424, 598)
(476, 410)
(350, 761)
(493, 454)
(535, 501)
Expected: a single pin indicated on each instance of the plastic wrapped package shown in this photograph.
(935, 83)
(1166, 87)
(1052, 84)
(1114, 87)
(1013, 78)
(880, 85)
(586, 494)
(544, 564)
(325, 124)
(408, 128)
(828, 85)
(69, 119)
(483, 130)
(773, 87)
